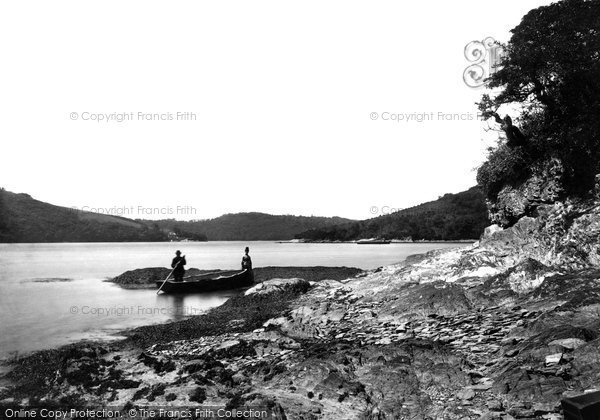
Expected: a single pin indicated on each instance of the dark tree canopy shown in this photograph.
(551, 68)
(451, 217)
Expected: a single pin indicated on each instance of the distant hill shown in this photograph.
(252, 226)
(451, 217)
(24, 219)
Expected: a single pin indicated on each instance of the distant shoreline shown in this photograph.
(457, 241)
(289, 241)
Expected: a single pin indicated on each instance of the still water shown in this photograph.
(54, 294)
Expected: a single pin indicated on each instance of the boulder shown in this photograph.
(466, 394)
(489, 231)
(568, 343)
(553, 359)
(562, 234)
(544, 186)
(279, 285)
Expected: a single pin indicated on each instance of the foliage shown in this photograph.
(551, 70)
(504, 166)
(252, 226)
(451, 217)
(24, 219)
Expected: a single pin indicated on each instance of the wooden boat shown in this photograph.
(220, 280)
(373, 241)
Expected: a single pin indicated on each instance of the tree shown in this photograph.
(551, 69)
(4, 231)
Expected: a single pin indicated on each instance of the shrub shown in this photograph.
(504, 166)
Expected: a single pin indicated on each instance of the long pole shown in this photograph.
(176, 265)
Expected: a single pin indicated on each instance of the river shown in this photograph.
(54, 294)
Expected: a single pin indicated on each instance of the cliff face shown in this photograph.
(544, 186)
(563, 234)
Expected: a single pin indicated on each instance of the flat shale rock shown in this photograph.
(278, 285)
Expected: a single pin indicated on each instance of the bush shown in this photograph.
(505, 166)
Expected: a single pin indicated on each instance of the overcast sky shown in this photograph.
(282, 94)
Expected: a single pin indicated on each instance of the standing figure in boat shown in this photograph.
(247, 262)
(178, 263)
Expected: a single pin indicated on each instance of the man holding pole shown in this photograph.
(177, 266)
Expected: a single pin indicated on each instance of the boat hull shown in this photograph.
(209, 283)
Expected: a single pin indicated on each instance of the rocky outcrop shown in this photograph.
(505, 328)
(563, 234)
(279, 285)
(544, 186)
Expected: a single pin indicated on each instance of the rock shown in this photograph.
(544, 408)
(489, 231)
(238, 378)
(511, 353)
(552, 416)
(198, 395)
(466, 394)
(553, 359)
(568, 343)
(489, 415)
(82, 371)
(275, 322)
(494, 405)
(194, 365)
(522, 412)
(160, 364)
(279, 285)
(228, 345)
(544, 186)
(266, 349)
(562, 235)
(518, 279)
(484, 384)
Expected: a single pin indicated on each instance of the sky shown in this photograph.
(189, 110)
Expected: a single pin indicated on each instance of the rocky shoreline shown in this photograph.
(505, 328)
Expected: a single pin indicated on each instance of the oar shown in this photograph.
(161, 286)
